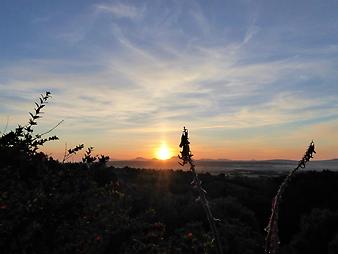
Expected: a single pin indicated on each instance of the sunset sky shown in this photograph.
(249, 79)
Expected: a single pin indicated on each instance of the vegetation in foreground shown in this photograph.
(47, 206)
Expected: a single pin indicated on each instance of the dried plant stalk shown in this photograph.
(196, 183)
(272, 237)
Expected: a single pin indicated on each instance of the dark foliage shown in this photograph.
(72, 208)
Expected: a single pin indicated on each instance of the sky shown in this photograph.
(249, 79)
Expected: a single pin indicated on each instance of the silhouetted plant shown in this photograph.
(197, 184)
(46, 207)
(71, 152)
(22, 142)
(88, 158)
(102, 159)
(272, 237)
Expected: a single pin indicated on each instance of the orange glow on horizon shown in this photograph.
(164, 150)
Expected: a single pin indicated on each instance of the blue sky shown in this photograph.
(250, 79)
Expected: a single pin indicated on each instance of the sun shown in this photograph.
(163, 152)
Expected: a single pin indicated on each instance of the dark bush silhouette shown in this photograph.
(317, 230)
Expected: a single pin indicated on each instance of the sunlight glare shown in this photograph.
(163, 152)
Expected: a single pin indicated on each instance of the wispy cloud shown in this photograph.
(120, 10)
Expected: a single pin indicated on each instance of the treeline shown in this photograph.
(50, 207)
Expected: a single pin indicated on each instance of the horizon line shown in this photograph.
(218, 159)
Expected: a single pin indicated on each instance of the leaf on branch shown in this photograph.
(53, 138)
(31, 122)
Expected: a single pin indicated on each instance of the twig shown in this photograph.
(51, 128)
(6, 126)
(65, 154)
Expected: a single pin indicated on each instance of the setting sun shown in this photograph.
(163, 152)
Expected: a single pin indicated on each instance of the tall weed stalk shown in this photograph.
(272, 237)
(197, 184)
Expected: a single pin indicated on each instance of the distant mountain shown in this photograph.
(140, 159)
(280, 160)
(207, 159)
